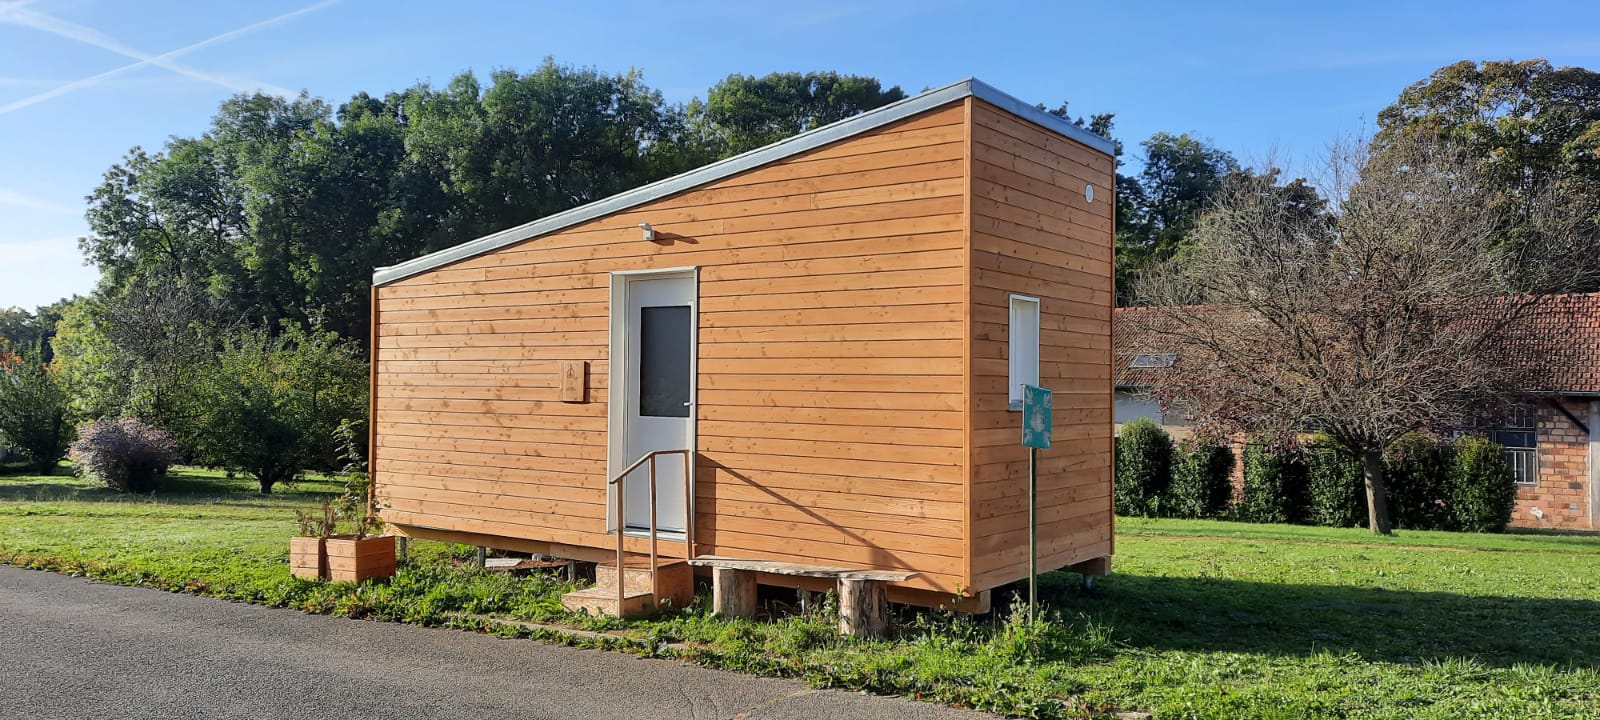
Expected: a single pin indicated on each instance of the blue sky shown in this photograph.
(82, 81)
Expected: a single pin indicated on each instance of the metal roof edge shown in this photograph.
(1012, 104)
(803, 142)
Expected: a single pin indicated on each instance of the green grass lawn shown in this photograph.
(1201, 619)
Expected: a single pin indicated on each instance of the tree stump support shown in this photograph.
(863, 594)
(733, 592)
(863, 607)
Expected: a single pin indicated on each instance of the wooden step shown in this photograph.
(676, 580)
(600, 601)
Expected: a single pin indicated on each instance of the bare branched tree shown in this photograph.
(1387, 312)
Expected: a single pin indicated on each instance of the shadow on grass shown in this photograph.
(18, 467)
(179, 487)
(1220, 615)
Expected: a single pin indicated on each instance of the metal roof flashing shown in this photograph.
(812, 139)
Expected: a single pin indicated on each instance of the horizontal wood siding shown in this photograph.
(830, 413)
(1034, 234)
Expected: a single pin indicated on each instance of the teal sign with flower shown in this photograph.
(1036, 404)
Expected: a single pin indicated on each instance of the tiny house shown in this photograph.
(807, 356)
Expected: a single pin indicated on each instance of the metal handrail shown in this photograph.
(622, 520)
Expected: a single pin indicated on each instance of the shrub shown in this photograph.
(1417, 477)
(1483, 492)
(1274, 484)
(1202, 480)
(1143, 467)
(33, 409)
(272, 407)
(125, 454)
(1336, 487)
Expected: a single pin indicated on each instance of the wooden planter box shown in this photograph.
(352, 560)
(308, 558)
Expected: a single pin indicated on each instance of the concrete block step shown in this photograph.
(598, 601)
(675, 583)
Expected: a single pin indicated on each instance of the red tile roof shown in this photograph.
(1563, 335)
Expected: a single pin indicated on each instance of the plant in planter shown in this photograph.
(321, 552)
(349, 557)
(360, 555)
(308, 552)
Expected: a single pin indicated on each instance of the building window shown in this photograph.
(1519, 435)
(1154, 360)
(1024, 335)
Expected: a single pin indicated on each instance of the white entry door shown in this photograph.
(657, 388)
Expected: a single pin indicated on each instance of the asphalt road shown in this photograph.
(70, 648)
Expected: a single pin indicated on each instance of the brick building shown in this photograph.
(1552, 436)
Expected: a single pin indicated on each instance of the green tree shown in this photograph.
(33, 408)
(20, 329)
(89, 364)
(140, 353)
(272, 406)
(1534, 131)
(749, 112)
(1158, 208)
(534, 144)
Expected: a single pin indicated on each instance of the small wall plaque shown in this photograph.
(574, 381)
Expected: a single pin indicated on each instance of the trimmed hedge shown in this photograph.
(1336, 486)
(1143, 468)
(1465, 486)
(1274, 485)
(1202, 480)
(1483, 492)
(1417, 478)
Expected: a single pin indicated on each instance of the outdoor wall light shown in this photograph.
(1088, 193)
(649, 232)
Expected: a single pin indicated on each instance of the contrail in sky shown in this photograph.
(10, 13)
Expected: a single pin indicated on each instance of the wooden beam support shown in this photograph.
(863, 608)
(1096, 566)
(733, 592)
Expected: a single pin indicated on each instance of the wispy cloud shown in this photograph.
(49, 249)
(12, 197)
(27, 18)
(822, 16)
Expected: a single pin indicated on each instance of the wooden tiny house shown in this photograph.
(833, 325)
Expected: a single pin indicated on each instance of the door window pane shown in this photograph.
(664, 361)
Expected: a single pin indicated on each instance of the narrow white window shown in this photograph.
(1024, 335)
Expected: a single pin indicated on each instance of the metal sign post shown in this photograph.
(1036, 426)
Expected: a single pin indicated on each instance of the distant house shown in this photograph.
(1552, 440)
